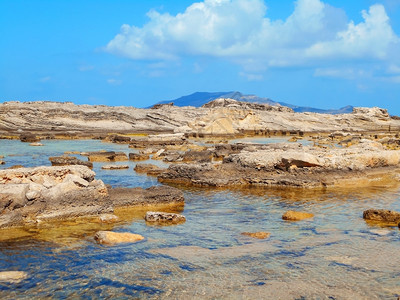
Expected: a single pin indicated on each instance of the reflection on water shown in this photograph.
(335, 255)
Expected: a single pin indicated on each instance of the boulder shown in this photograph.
(296, 215)
(69, 160)
(12, 276)
(28, 138)
(112, 238)
(382, 215)
(115, 167)
(258, 235)
(138, 156)
(163, 217)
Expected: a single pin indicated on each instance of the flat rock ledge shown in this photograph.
(31, 195)
(296, 215)
(294, 165)
(164, 217)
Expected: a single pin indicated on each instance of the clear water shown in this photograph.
(335, 255)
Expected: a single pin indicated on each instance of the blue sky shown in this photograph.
(324, 54)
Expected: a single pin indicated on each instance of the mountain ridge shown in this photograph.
(198, 99)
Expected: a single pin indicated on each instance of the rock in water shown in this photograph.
(296, 215)
(12, 276)
(258, 235)
(163, 217)
(112, 238)
(382, 215)
(69, 160)
(138, 157)
(115, 167)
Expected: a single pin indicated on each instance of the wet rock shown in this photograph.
(138, 157)
(2, 162)
(13, 276)
(163, 217)
(197, 156)
(149, 169)
(108, 156)
(69, 160)
(112, 238)
(36, 144)
(108, 218)
(115, 167)
(28, 138)
(382, 215)
(155, 195)
(258, 235)
(296, 215)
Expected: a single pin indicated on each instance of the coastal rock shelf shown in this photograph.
(219, 117)
(31, 195)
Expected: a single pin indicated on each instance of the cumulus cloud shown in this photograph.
(240, 31)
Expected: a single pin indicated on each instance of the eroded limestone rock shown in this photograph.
(112, 238)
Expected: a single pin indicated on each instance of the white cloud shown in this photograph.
(240, 31)
(113, 81)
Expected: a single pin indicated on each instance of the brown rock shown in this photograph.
(138, 157)
(296, 215)
(107, 156)
(197, 156)
(112, 238)
(69, 160)
(15, 167)
(163, 217)
(149, 169)
(257, 235)
(382, 215)
(28, 138)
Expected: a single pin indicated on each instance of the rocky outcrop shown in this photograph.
(32, 194)
(69, 160)
(28, 138)
(164, 218)
(290, 165)
(382, 215)
(138, 156)
(296, 215)
(112, 238)
(220, 117)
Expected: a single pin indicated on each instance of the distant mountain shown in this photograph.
(200, 98)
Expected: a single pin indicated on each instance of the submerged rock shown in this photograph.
(296, 215)
(258, 235)
(12, 276)
(382, 215)
(163, 217)
(112, 238)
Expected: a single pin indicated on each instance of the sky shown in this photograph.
(323, 54)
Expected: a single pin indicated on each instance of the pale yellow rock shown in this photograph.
(112, 238)
(258, 235)
(12, 276)
(296, 215)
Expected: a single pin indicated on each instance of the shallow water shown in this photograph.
(335, 255)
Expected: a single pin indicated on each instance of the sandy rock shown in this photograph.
(36, 144)
(108, 218)
(382, 215)
(68, 160)
(258, 235)
(115, 167)
(107, 156)
(149, 169)
(163, 217)
(13, 276)
(296, 215)
(138, 157)
(112, 238)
